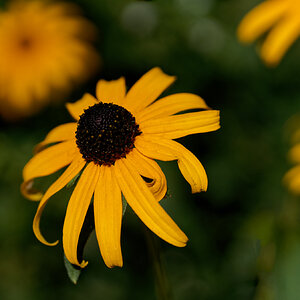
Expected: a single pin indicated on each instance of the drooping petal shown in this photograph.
(174, 127)
(145, 205)
(76, 212)
(172, 104)
(280, 39)
(74, 168)
(77, 108)
(150, 169)
(111, 91)
(260, 19)
(147, 89)
(60, 133)
(166, 150)
(108, 217)
(45, 163)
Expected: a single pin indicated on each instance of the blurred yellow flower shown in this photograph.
(282, 18)
(45, 49)
(292, 177)
(115, 141)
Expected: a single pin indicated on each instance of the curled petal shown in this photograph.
(76, 212)
(142, 201)
(74, 168)
(150, 169)
(166, 150)
(45, 163)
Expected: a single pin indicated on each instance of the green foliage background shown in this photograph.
(244, 231)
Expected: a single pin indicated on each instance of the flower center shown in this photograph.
(105, 133)
(25, 43)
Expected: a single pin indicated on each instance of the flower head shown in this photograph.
(281, 18)
(45, 49)
(115, 141)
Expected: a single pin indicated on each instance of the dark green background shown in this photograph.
(244, 231)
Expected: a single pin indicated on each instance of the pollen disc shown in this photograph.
(105, 133)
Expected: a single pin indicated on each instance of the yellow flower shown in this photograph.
(292, 177)
(282, 18)
(45, 49)
(115, 140)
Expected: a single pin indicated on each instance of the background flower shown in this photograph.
(281, 18)
(292, 177)
(45, 50)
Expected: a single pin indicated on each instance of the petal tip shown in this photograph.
(83, 264)
(114, 265)
(29, 192)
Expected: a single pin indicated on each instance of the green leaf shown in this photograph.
(72, 271)
(87, 228)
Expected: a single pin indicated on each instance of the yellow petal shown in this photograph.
(147, 89)
(142, 201)
(295, 137)
(294, 154)
(74, 168)
(163, 149)
(76, 212)
(260, 19)
(150, 169)
(292, 179)
(60, 133)
(45, 163)
(280, 39)
(111, 91)
(174, 127)
(172, 104)
(77, 108)
(108, 217)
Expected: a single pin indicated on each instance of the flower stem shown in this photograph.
(162, 287)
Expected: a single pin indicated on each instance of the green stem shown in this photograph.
(161, 283)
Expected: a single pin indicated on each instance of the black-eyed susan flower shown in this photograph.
(281, 18)
(292, 177)
(115, 141)
(45, 49)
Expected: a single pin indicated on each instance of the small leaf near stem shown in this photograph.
(87, 228)
(72, 271)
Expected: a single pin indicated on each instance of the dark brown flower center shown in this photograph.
(106, 132)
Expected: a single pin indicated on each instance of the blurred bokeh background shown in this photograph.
(244, 232)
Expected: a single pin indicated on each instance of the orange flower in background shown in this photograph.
(115, 140)
(45, 50)
(281, 18)
(292, 177)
